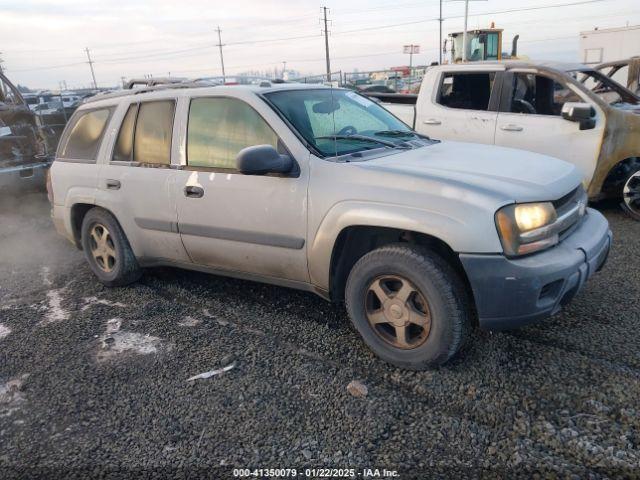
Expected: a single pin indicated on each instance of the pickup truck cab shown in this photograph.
(321, 189)
(547, 108)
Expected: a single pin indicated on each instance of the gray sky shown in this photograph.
(134, 37)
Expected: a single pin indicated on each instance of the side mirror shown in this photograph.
(582, 113)
(261, 160)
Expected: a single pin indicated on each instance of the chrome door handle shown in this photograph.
(511, 128)
(113, 184)
(431, 121)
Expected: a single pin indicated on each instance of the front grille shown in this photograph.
(562, 202)
(576, 199)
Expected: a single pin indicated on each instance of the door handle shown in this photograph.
(432, 121)
(112, 184)
(193, 192)
(511, 128)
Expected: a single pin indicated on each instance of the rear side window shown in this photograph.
(469, 91)
(123, 151)
(86, 134)
(153, 130)
(220, 127)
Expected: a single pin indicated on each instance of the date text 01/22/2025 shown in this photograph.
(314, 473)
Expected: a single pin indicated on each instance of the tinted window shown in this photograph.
(220, 127)
(85, 136)
(470, 91)
(123, 151)
(535, 94)
(153, 133)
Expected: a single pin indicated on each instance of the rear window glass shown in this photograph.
(84, 139)
(152, 138)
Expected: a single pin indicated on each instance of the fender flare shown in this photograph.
(452, 231)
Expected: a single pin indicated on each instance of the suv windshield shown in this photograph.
(338, 122)
(609, 90)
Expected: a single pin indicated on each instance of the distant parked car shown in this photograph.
(323, 190)
(376, 89)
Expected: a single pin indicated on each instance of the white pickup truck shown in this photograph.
(540, 107)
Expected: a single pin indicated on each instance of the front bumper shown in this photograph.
(510, 293)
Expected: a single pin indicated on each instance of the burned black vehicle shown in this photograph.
(24, 149)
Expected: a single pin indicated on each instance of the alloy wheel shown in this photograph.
(631, 195)
(102, 248)
(398, 312)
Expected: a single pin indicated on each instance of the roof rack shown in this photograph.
(152, 85)
(152, 82)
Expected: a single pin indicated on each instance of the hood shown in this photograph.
(509, 174)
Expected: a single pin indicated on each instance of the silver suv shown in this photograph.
(323, 190)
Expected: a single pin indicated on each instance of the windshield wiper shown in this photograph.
(363, 138)
(400, 133)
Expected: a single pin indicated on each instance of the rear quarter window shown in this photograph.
(85, 135)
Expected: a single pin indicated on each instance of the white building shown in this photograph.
(609, 44)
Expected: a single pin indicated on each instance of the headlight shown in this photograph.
(523, 228)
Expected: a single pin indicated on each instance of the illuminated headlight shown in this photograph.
(524, 228)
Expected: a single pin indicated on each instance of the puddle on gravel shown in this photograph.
(11, 396)
(55, 312)
(115, 342)
(189, 322)
(4, 331)
(92, 301)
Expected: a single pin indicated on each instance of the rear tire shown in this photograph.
(631, 195)
(434, 292)
(107, 249)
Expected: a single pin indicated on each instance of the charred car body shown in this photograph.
(23, 144)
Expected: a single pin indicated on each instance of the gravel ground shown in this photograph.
(94, 380)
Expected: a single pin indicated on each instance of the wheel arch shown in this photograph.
(355, 241)
(77, 213)
(616, 176)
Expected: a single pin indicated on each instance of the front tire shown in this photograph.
(408, 305)
(107, 249)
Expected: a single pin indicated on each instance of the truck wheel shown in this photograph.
(107, 249)
(631, 196)
(408, 305)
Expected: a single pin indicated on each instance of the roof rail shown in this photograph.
(151, 88)
(152, 82)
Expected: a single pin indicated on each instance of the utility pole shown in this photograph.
(284, 68)
(464, 34)
(326, 44)
(220, 45)
(440, 20)
(90, 62)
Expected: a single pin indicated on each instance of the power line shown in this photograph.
(204, 47)
(495, 12)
